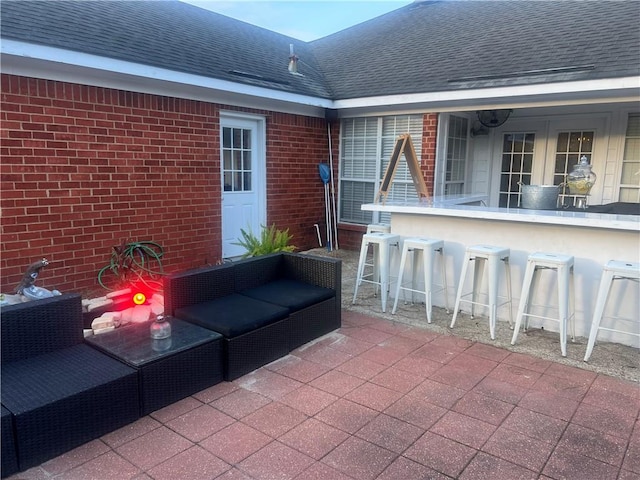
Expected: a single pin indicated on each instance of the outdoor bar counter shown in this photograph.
(592, 238)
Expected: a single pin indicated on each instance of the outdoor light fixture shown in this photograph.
(139, 298)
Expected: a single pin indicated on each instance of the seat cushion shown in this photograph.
(232, 315)
(292, 294)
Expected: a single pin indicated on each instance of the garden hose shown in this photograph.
(132, 262)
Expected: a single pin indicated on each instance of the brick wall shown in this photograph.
(86, 168)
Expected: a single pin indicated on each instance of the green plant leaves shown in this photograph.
(271, 240)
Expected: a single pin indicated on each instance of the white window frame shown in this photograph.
(385, 136)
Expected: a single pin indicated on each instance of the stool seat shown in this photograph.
(613, 270)
(563, 265)
(428, 247)
(378, 228)
(477, 256)
(380, 275)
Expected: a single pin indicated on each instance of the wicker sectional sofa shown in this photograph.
(57, 392)
(263, 306)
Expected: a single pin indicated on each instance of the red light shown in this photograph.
(139, 298)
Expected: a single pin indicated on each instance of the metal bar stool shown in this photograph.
(563, 265)
(380, 275)
(376, 228)
(478, 255)
(613, 270)
(428, 247)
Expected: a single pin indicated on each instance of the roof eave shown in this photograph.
(50, 63)
(38, 61)
(609, 90)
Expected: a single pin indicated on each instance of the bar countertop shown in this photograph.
(597, 216)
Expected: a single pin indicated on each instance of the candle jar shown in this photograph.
(160, 328)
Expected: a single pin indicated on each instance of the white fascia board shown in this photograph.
(51, 63)
(604, 90)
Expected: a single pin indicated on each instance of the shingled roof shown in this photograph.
(167, 34)
(432, 46)
(427, 46)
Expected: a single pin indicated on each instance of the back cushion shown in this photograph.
(40, 326)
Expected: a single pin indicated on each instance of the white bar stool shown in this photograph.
(376, 228)
(613, 270)
(428, 247)
(563, 265)
(380, 275)
(478, 255)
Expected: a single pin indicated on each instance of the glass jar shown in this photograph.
(581, 178)
(160, 328)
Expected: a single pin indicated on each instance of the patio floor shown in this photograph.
(382, 400)
(390, 397)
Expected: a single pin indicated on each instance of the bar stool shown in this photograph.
(563, 265)
(376, 228)
(478, 255)
(428, 247)
(613, 270)
(380, 275)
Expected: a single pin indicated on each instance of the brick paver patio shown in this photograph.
(381, 400)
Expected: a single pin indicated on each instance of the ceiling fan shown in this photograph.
(493, 118)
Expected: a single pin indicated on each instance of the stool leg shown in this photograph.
(507, 271)
(535, 281)
(463, 274)
(493, 294)
(414, 273)
(403, 260)
(363, 259)
(563, 306)
(601, 301)
(384, 261)
(427, 262)
(524, 300)
(443, 275)
(478, 273)
(572, 304)
(376, 267)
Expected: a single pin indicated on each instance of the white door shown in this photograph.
(570, 140)
(243, 180)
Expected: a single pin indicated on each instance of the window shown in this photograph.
(630, 175)
(456, 156)
(236, 159)
(366, 145)
(517, 164)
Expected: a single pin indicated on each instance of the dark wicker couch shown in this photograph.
(58, 392)
(264, 306)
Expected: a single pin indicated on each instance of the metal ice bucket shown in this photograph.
(539, 197)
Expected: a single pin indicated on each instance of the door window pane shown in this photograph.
(517, 164)
(236, 159)
(570, 148)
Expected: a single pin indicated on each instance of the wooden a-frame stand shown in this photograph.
(403, 145)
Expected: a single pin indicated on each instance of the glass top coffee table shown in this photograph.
(170, 369)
